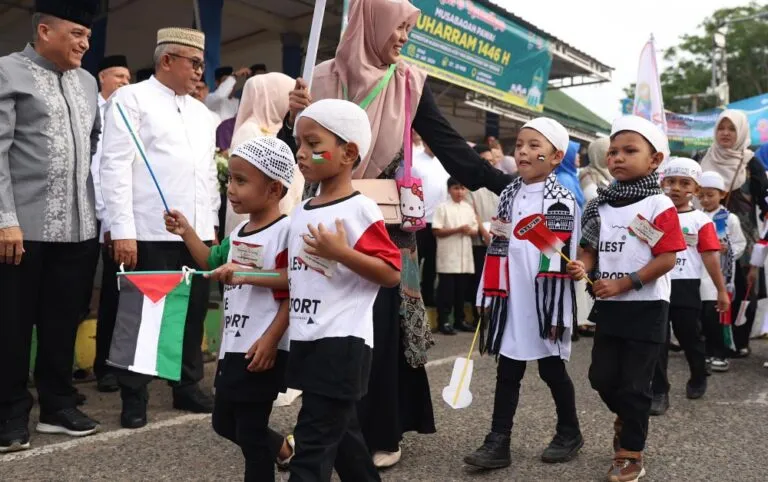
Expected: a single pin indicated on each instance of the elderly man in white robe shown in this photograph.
(176, 133)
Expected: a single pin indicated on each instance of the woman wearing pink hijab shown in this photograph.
(369, 71)
(263, 106)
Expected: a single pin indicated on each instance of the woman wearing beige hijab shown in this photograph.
(747, 186)
(369, 71)
(596, 174)
(262, 108)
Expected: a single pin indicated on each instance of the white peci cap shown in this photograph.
(271, 156)
(552, 130)
(683, 167)
(343, 118)
(712, 179)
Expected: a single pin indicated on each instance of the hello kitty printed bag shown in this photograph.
(409, 187)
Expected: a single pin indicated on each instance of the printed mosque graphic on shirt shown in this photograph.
(331, 317)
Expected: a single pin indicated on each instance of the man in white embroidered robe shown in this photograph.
(176, 132)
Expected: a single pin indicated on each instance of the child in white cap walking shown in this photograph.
(732, 245)
(681, 185)
(339, 255)
(631, 233)
(254, 347)
(529, 300)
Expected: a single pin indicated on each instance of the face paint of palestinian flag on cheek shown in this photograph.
(321, 157)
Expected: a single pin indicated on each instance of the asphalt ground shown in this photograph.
(721, 437)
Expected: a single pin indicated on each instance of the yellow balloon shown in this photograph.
(85, 345)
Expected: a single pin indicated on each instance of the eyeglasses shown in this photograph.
(196, 63)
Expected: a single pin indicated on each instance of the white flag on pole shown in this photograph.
(648, 100)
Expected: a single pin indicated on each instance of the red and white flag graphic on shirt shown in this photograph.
(534, 229)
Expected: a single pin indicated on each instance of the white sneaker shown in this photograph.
(720, 365)
(382, 460)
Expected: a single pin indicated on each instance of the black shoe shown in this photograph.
(464, 326)
(694, 390)
(562, 449)
(192, 399)
(107, 383)
(14, 435)
(134, 413)
(659, 404)
(447, 329)
(69, 421)
(494, 453)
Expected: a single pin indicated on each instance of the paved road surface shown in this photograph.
(721, 437)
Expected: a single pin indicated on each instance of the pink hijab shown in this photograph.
(359, 66)
(263, 106)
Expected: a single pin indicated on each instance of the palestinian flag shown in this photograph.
(149, 329)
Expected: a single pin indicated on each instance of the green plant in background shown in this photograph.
(222, 170)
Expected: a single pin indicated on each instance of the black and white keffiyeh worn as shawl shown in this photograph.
(623, 192)
(559, 209)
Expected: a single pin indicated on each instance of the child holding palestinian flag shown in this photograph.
(631, 234)
(537, 323)
(254, 348)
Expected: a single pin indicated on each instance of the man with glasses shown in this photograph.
(176, 133)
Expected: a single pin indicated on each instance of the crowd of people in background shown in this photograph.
(262, 168)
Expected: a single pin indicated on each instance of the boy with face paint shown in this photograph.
(534, 321)
(681, 184)
(632, 230)
(339, 255)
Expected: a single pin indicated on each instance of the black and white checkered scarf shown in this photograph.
(618, 191)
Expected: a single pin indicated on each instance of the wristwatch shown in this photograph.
(637, 283)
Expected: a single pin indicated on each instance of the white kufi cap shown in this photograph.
(645, 128)
(712, 179)
(552, 130)
(269, 155)
(683, 167)
(343, 118)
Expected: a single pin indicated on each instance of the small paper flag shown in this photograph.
(534, 229)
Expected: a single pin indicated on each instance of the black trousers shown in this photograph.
(478, 254)
(105, 323)
(247, 425)
(169, 255)
(552, 370)
(621, 373)
(741, 333)
(687, 326)
(426, 245)
(327, 433)
(451, 292)
(45, 290)
(714, 343)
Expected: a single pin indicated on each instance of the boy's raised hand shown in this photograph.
(576, 270)
(176, 223)
(326, 244)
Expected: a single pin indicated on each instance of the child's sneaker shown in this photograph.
(720, 365)
(627, 467)
(493, 454)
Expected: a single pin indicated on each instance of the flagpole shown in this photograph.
(466, 364)
(265, 274)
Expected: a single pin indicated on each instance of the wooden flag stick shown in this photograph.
(265, 274)
(466, 364)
